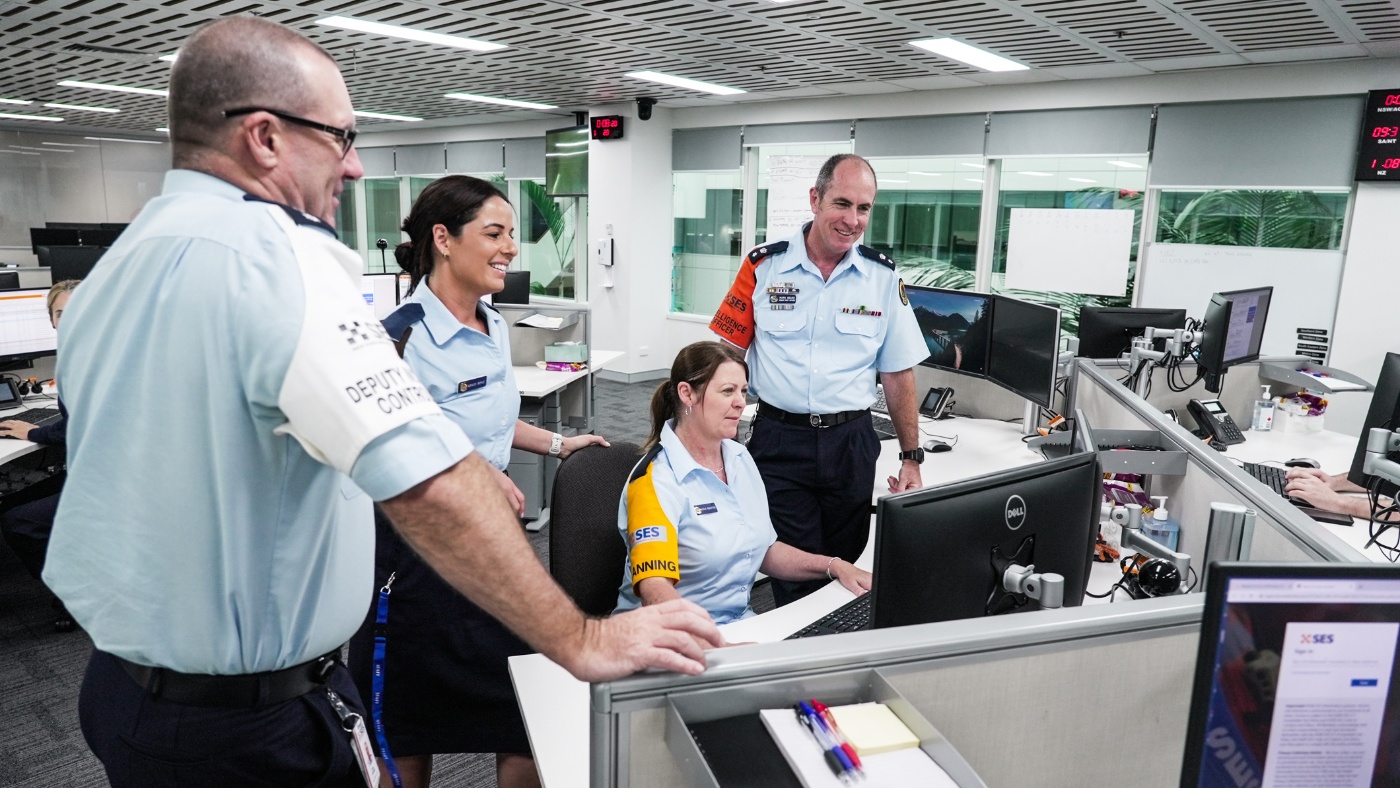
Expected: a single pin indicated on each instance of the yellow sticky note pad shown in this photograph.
(872, 728)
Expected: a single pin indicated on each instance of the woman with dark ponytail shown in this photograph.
(446, 687)
(694, 514)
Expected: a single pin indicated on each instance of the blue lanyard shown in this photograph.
(381, 632)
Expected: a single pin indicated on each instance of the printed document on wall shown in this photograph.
(1069, 250)
(790, 180)
(1329, 704)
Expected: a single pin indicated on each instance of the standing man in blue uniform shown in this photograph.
(219, 564)
(819, 316)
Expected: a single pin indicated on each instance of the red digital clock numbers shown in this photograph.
(1379, 156)
(606, 127)
(1382, 132)
(1392, 100)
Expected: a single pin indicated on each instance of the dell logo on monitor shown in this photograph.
(1015, 512)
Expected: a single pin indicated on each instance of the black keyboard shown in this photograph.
(850, 617)
(33, 416)
(1273, 477)
(883, 426)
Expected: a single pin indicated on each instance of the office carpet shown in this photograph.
(41, 670)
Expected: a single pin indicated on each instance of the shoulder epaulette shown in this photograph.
(640, 469)
(766, 250)
(299, 217)
(877, 256)
(400, 319)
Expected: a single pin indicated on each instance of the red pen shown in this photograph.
(825, 713)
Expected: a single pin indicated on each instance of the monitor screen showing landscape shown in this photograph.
(956, 325)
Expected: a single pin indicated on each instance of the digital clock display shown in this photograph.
(607, 127)
(1379, 157)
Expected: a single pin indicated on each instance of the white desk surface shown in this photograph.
(1331, 449)
(555, 705)
(14, 448)
(537, 383)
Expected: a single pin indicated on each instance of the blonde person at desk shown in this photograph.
(446, 686)
(694, 514)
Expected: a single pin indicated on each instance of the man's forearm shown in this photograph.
(461, 525)
(904, 413)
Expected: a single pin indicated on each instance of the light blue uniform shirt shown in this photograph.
(814, 357)
(723, 530)
(223, 376)
(468, 373)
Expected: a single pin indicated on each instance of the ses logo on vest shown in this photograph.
(648, 533)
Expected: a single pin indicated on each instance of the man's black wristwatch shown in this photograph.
(917, 455)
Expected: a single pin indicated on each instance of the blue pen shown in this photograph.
(840, 764)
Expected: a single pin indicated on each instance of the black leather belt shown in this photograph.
(233, 692)
(819, 420)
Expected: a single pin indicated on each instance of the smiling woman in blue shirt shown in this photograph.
(694, 514)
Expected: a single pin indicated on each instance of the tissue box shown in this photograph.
(576, 352)
(1293, 422)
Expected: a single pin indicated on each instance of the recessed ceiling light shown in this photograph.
(1082, 180)
(975, 166)
(966, 53)
(30, 117)
(1037, 174)
(73, 83)
(501, 101)
(395, 31)
(57, 105)
(682, 82)
(121, 139)
(1127, 164)
(163, 129)
(974, 180)
(929, 174)
(385, 116)
(170, 58)
(14, 101)
(892, 180)
(69, 144)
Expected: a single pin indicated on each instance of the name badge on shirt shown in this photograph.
(779, 298)
(705, 508)
(471, 385)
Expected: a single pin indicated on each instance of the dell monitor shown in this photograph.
(1024, 352)
(1108, 331)
(381, 292)
(956, 325)
(1233, 332)
(1295, 681)
(1383, 413)
(941, 552)
(73, 262)
(25, 330)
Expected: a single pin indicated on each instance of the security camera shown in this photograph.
(644, 106)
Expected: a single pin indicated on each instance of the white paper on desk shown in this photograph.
(1336, 384)
(898, 769)
(538, 320)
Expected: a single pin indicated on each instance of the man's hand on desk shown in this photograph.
(910, 478)
(671, 636)
(15, 429)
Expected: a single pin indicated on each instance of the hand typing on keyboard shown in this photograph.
(1318, 490)
(15, 429)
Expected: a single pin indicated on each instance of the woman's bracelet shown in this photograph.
(828, 567)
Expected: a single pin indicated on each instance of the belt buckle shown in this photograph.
(814, 419)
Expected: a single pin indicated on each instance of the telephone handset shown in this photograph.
(1215, 421)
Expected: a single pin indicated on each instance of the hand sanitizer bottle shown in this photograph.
(1158, 528)
(1263, 412)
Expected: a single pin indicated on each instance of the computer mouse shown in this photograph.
(934, 447)
(1302, 462)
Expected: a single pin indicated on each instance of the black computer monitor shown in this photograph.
(940, 552)
(956, 326)
(1384, 412)
(27, 333)
(516, 291)
(1295, 677)
(101, 236)
(1109, 331)
(72, 225)
(1233, 332)
(53, 236)
(1024, 352)
(73, 262)
(9, 280)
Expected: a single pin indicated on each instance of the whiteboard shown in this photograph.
(790, 179)
(1075, 250)
(1306, 283)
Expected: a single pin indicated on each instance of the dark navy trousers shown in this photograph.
(819, 483)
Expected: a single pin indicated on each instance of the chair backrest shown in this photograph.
(586, 554)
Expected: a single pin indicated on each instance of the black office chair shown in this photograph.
(585, 550)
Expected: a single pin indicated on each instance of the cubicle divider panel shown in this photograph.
(1100, 711)
(975, 397)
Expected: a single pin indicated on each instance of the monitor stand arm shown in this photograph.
(1380, 442)
(1130, 517)
(1046, 588)
(1179, 341)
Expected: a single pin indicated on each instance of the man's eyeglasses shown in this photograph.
(345, 136)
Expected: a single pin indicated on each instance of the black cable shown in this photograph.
(1109, 592)
(1191, 573)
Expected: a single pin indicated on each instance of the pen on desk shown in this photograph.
(824, 715)
(832, 753)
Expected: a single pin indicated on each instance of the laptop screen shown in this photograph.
(1295, 678)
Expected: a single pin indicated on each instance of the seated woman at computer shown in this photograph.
(1328, 492)
(26, 528)
(694, 514)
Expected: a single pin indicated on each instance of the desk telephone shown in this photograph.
(936, 404)
(1215, 421)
